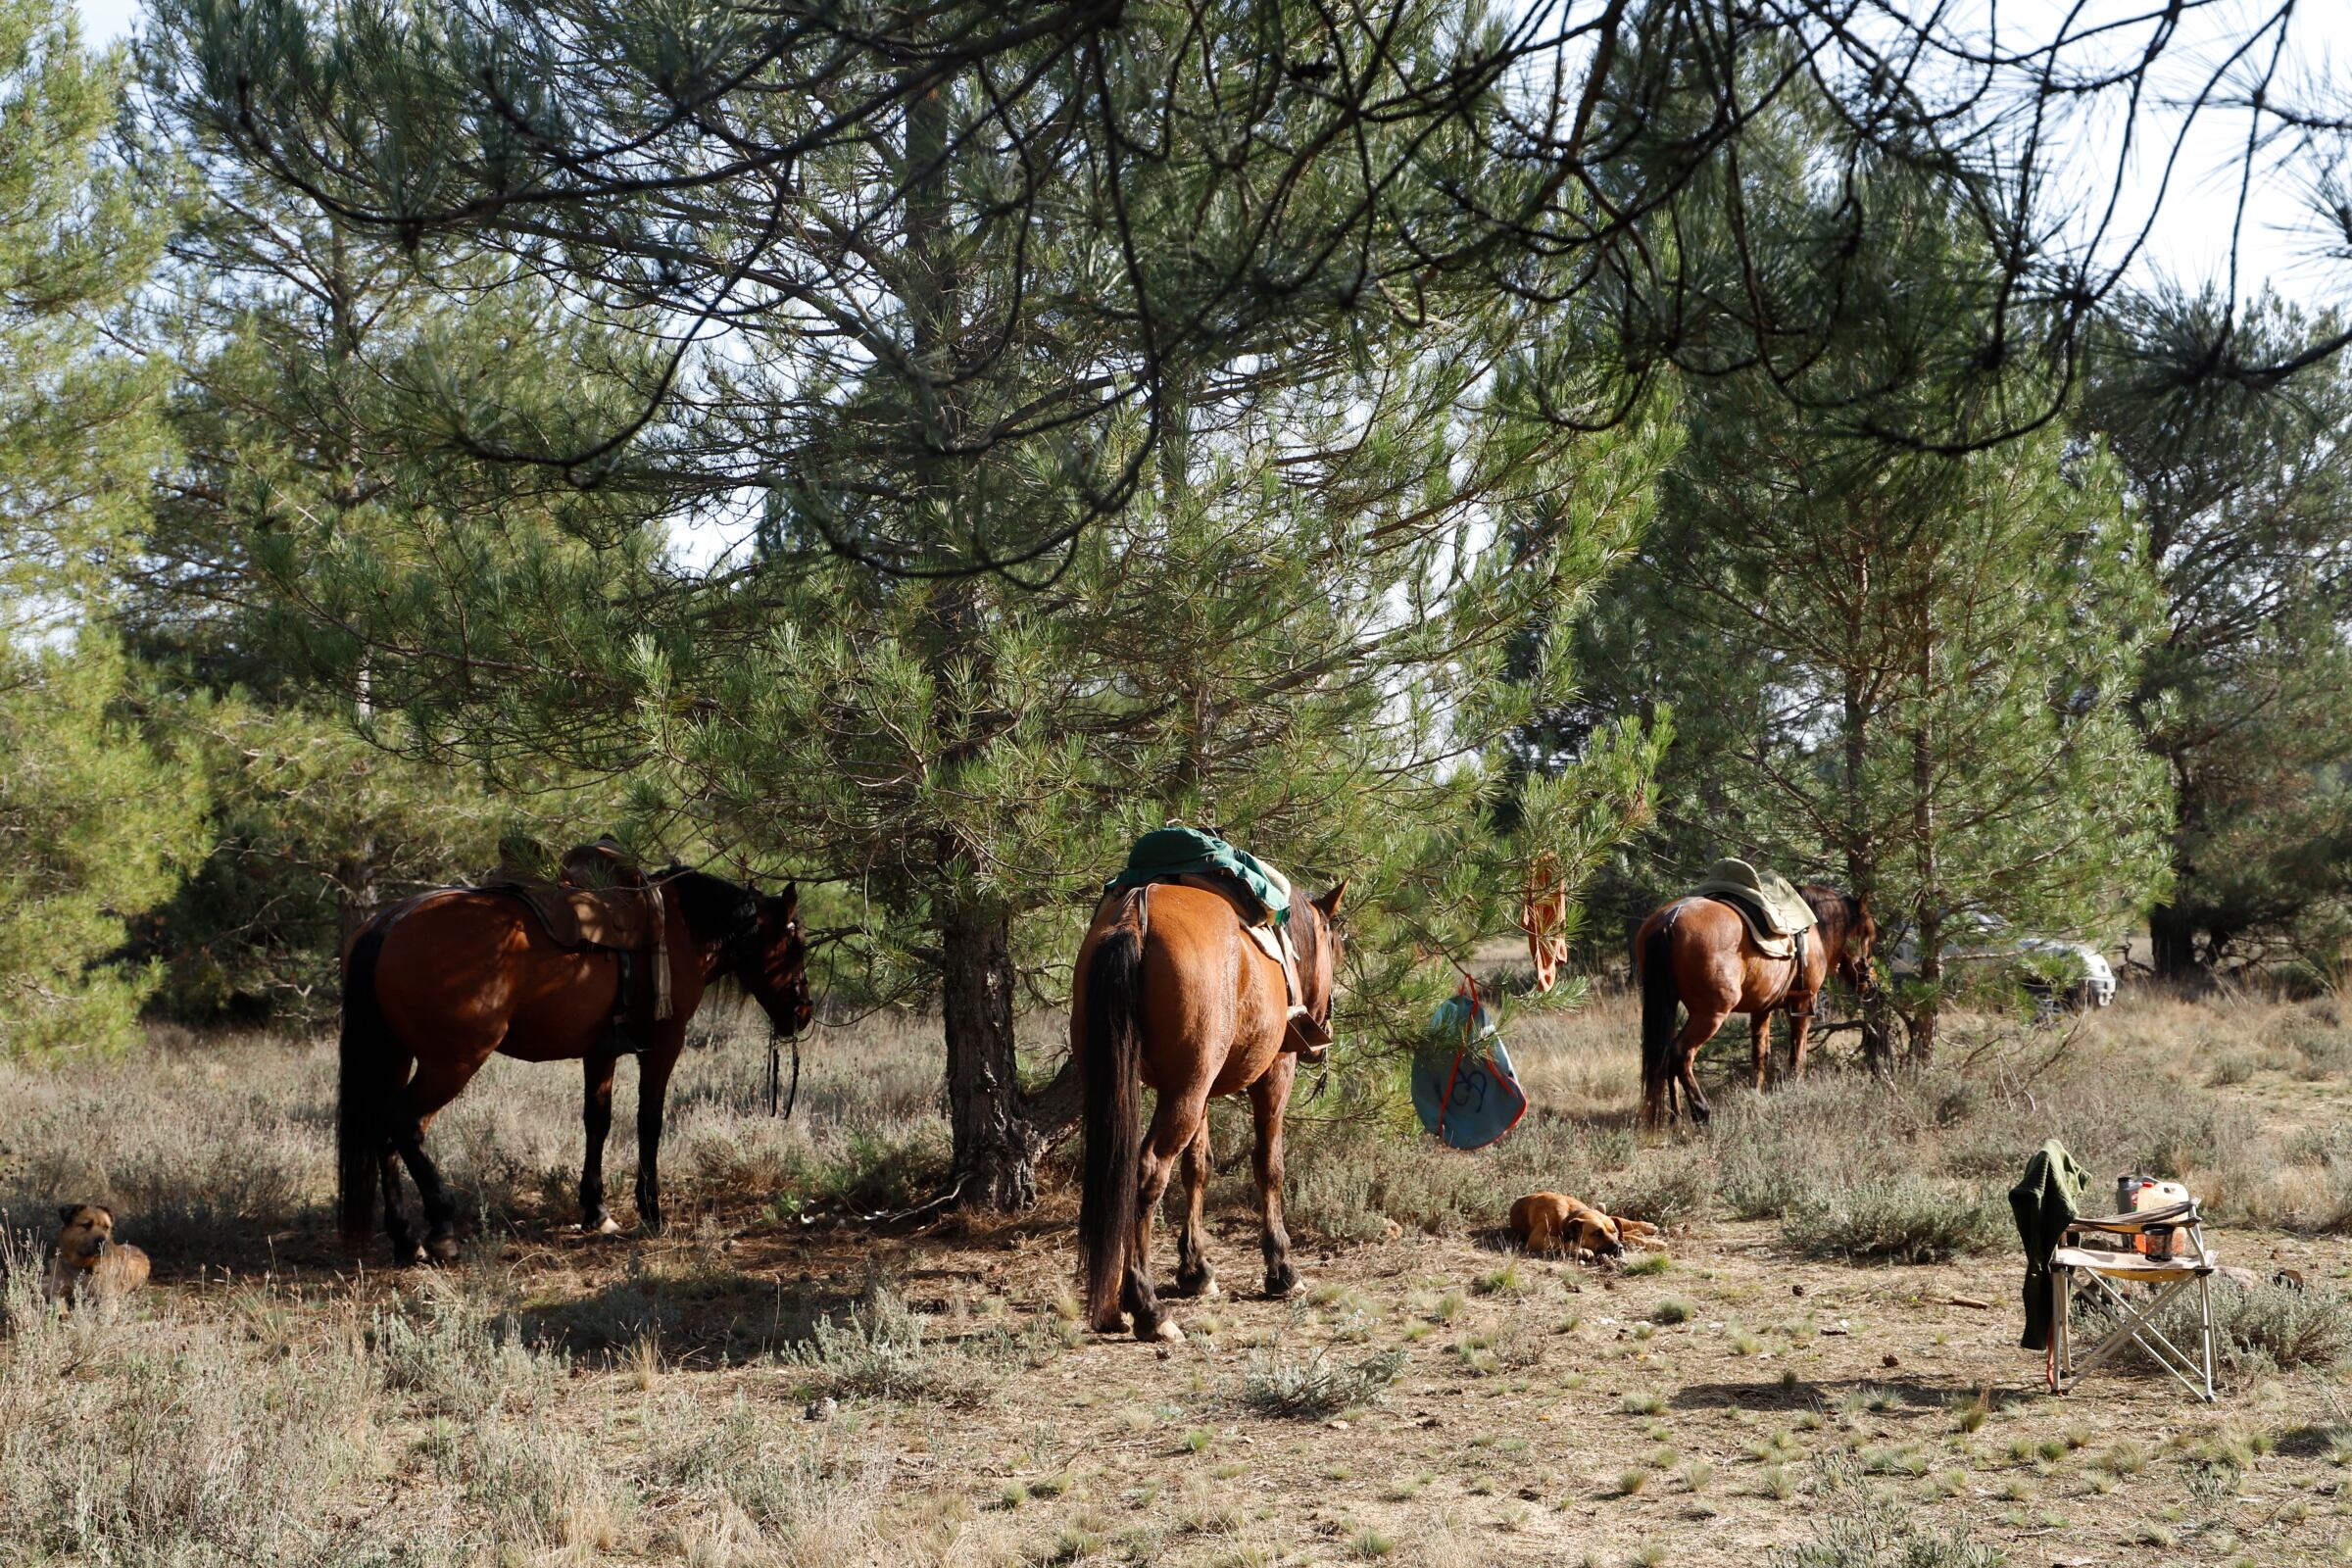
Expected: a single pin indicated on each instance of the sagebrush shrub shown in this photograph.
(1317, 1384)
(1901, 1219)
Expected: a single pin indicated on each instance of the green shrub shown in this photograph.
(1858, 1525)
(2260, 1328)
(876, 1351)
(1315, 1386)
(1900, 1219)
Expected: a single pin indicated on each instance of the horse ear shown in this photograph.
(790, 898)
(1329, 903)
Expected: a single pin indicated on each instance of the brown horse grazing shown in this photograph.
(1697, 951)
(1171, 994)
(436, 985)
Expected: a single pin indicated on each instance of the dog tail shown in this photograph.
(363, 1090)
(1659, 998)
(1111, 1060)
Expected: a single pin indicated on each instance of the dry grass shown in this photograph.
(563, 1400)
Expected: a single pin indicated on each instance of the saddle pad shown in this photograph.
(1465, 1090)
(1774, 906)
(1771, 944)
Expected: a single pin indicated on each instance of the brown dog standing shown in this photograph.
(1554, 1223)
(89, 1261)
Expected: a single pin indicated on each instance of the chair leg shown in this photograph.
(2059, 1302)
(2205, 1318)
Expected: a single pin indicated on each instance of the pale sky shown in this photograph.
(2190, 240)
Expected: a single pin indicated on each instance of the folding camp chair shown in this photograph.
(2191, 1262)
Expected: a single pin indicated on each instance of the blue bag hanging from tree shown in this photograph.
(1463, 1085)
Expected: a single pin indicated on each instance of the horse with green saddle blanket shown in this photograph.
(1743, 941)
(1180, 989)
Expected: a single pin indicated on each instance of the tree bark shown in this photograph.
(995, 1147)
(2172, 943)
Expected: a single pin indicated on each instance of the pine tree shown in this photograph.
(2246, 495)
(1293, 626)
(95, 824)
(1907, 670)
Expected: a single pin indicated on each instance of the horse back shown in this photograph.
(1213, 1005)
(479, 966)
(1716, 961)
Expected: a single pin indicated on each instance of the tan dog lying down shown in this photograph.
(89, 1261)
(1553, 1222)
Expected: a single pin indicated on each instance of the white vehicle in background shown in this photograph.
(2058, 970)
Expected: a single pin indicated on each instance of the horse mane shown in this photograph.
(1307, 936)
(1838, 910)
(713, 906)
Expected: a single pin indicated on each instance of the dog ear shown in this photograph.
(103, 1210)
(67, 1211)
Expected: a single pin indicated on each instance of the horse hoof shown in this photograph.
(407, 1254)
(607, 1226)
(1282, 1287)
(1164, 1330)
(442, 1249)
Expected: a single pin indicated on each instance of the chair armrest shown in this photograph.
(2170, 1217)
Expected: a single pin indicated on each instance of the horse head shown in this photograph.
(1848, 933)
(1317, 940)
(770, 958)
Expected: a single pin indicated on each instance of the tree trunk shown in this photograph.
(1862, 847)
(2172, 943)
(995, 1149)
(1924, 827)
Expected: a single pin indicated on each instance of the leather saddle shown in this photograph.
(620, 920)
(605, 901)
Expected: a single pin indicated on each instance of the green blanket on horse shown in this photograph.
(1171, 851)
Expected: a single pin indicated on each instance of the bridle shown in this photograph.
(739, 954)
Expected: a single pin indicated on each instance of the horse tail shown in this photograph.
(362, 1090)
(1659, 998)
(1110, 1061)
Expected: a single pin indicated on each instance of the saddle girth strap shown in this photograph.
(1799, 1004)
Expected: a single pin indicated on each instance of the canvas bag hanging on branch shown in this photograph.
(1465, 1088)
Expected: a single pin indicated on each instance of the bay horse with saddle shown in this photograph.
(1704, 954)
(437, 984)
(1187, 986)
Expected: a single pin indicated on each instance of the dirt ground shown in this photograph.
(1551, 1412)
(632, 1400)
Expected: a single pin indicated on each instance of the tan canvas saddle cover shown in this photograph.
(1775, 912)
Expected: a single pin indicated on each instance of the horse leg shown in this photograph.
(1193, 1276)
(435, 1084)
(653, 1091)
(405, 1251)
(1696, 1034)
(1174, 1122)
(1759, 1027)
(1800, 1034)
(596, 1115)
(1267, 1099)
(397, 1231)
